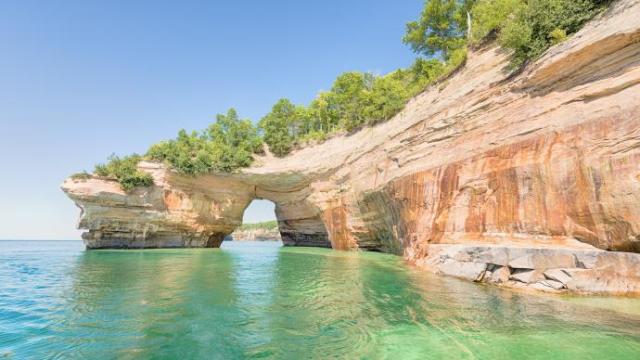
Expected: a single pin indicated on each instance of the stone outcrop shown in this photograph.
(548, 269)
(544, 161)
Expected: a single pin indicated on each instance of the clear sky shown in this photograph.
(80, 80)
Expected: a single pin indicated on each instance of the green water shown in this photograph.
(257, 300)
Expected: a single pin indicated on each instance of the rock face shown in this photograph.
(545, 161)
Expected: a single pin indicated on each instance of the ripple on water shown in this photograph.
(256, 300)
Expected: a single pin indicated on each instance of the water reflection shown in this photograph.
(135, 304)
(256, 300)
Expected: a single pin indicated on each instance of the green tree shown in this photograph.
(490, 15)
(387, 97)
(228, 144)
(276, 127)
(423, 72)
(323, 114)
(348, 99)
(441, 29)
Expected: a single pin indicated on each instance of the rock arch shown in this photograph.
(181, 211)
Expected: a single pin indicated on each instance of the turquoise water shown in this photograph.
(257, 300)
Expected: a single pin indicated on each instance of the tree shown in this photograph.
(323, 113)
(441, 29)
(490, 15)
(228, 144)
(348, 99)
(387, 97)
(276, 127)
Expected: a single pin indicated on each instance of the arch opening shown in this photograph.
(259, 223)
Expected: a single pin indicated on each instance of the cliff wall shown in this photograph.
(484, 176)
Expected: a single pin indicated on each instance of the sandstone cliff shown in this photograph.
(485, 176)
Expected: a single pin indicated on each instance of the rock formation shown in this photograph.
(521, 179)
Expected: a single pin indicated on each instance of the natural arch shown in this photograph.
(299, 223)
(184, 211)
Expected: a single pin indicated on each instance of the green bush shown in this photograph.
(83, 175)
(386, 98)
(541, 23)
(313, 136)
(125, 170)
(491, 15)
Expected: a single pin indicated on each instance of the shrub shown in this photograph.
(84, 175)
(386, 98)
(125, 170)
(542, 23)
(490, 15)
(557, 36)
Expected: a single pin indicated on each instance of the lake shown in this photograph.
(260, 300)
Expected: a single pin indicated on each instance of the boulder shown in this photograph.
(526, 276)
(558, 275)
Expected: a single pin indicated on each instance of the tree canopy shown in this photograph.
(228, 144)
(441, 29)
(440, 37)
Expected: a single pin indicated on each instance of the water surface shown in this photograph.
(258, 300)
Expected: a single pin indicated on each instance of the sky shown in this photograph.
(80, 80)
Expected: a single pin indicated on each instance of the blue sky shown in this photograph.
(80, 80)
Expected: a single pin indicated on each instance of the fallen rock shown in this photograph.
(540, 259)
(465, 270)
(558, 275)
(500, 275)
(526, 276)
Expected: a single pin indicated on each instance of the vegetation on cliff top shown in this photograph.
(440, 37)
(265, 225)
(228, 144)
(125, 170)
